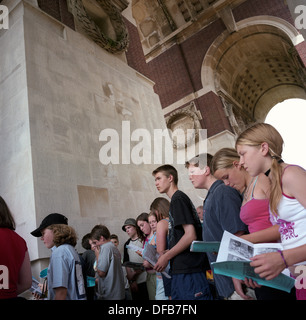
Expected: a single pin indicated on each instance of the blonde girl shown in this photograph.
(260, 149)
(254, 210)
(255, 191)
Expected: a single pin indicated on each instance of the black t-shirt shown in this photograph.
(182, 211)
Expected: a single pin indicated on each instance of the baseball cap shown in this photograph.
(53, 218)
(129, 222)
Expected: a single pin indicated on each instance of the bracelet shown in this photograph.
(281, 253)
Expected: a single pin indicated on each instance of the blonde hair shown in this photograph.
(224, 159)
(63, 234)
(255, 136)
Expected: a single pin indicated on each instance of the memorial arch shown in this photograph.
(255, 68)
(73, 68)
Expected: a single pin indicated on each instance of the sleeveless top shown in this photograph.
(255, 213)
(292, 221)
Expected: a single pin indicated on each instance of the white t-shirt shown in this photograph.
(135, 257)
(292, 222)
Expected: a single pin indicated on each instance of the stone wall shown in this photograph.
(58, 91)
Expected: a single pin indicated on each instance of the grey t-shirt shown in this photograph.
(112, 286)
(65, 270)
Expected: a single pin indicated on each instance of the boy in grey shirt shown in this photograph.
(111, 284)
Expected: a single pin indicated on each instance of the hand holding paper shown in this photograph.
(268, 265)
(235, 256)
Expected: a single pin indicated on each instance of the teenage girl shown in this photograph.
(254, 211)
(260, 150)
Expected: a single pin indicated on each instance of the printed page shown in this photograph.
(135, 248)
(234, 261)
(150, 254)
(234, 248)
(260, 248)
(35, 287)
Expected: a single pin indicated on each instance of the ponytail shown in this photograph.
(254, 136)
(276, 185)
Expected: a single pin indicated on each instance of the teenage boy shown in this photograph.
(111, 278)
(221, 212)
(65, 278)
(188, 280)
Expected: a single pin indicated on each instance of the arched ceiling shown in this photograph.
(252, 65)
(258, 63)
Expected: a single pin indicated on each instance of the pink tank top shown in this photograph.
(255, 213)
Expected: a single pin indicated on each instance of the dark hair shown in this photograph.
(114, 236)
(6, 217)
(99, 231)
(142, 217)
(85, 242)
(168, 170)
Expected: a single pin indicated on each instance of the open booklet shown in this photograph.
(150, 254)
(35, 287)
(234, 261)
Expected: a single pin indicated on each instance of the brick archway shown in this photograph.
(256, 67)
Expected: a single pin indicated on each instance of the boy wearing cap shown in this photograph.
(137, 277)
(65, 278)
(52, 218)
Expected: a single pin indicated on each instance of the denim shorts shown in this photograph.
(190, 286)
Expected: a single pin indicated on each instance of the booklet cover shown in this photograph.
(234, 261)
(204, 246)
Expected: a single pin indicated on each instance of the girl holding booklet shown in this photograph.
(254, 210)
(260, 150)
(159, 208)
(150, 238)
